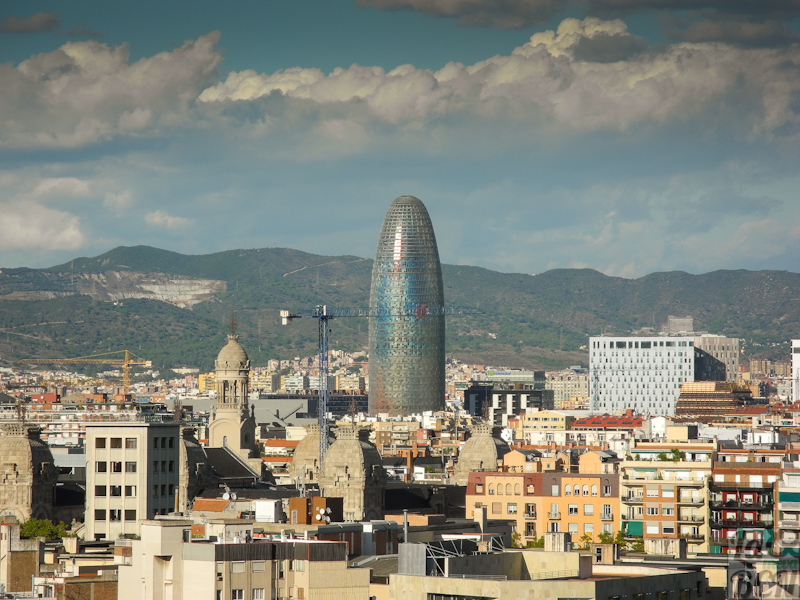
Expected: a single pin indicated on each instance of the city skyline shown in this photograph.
(604, 135)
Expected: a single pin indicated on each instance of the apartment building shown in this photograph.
(575, 503)
(132, 474)
(724, 349)
(566, 385)
(742, 506)
(165, 563)
(795, 370)
(664, 492)
(645, 373)
(787, 531)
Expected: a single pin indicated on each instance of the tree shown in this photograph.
(638, 545)
(662, 456)
(606, 537)
(516, 539)
(587, 539)
(536, 543)
(45, 528)
(620, 540)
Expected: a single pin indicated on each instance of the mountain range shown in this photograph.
(175, 309)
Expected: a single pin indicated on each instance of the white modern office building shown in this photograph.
(641, 373)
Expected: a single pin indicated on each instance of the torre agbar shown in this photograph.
(406, 353)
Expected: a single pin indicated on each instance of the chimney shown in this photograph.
(410, 467)
(480, 518)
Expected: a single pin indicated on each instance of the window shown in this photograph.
(496, 508)
(530, 488)
(163, 489)
(130, 491)
(572, 527)
(171, 489)
(586, 490)
(116, 490)
(237, 566)
(155, 466)
(155, 442)
(530, 510)
(606, 490)
(554, 489)
(588, 509)
(299, 565)
(667, 493)
(99, 514)
(101, 466)
(100, 442)
(516, 489)
(652, 492)
(511, 509)
(171, 442)
(130, 515)
(669, 529)
(478, 488)
(258, 593)
(668, 512)
(130, 443)
(499, 489)
(155, 491)
(567, 490)
(573, 509)
(608, 528)
(508, 489)
(163, 442)
(594, 490)
(652, 511)
(237, 594)
(576, 491)
(130, 467)
(171, 466)
(258, 566)
(100, 490)
(115, 514)
(116, 442)
(588, 528)
(491, 489)
(164, 465)
(116, 466)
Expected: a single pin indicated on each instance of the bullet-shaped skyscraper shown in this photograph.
(406, 352)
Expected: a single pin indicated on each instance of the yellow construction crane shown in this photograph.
(93, 359)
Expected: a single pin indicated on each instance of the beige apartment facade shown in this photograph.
(132, 473)
(664, 492)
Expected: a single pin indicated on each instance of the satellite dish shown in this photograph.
(318, 517)
(226, 496)
(233, 496)
(328, 510)
(327, 519)
(322, 511)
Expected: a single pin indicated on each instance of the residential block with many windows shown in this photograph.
(131, 474)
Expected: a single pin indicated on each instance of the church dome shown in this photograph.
(232, 353)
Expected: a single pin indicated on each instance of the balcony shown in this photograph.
(789, 543)
(607, 517)
(694, 501)
(788, 505)
(740, 523)
(530, 515)
(795, 524)
(692, 537)
(554, 516)
(739, 485)
(691, 518)
(633, 499)
(737, 505)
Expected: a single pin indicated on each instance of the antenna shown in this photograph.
(233, 322)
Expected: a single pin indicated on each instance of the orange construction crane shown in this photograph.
(93, 359)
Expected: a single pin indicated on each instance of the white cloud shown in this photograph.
(85, 92)
(160, 218)
(62, 186)
(118, 201)
(30, 225)
(545, 78)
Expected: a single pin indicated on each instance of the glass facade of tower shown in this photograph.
(406, 352)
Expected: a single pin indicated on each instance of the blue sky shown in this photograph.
(629, 136)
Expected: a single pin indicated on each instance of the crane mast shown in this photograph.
(323, 314)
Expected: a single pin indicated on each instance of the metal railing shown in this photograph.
(554, 515)
(789, 524)
(474, 576)
(554, 574)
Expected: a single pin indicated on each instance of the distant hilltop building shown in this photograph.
(678, 325)
(406, 353)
